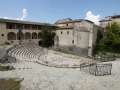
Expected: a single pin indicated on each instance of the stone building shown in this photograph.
(15, 31)
(108, 20)
(77, 35)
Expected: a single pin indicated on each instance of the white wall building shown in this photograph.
(78, 35)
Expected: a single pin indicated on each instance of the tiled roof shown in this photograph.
(24, 22)
(108, 18)
(72, 21)
(115, 16)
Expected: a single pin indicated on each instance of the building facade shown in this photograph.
(15, 31)
(78, 35)
(108, 20)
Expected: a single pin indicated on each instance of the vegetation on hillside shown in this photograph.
(10, 84)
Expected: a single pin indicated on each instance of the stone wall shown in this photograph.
(74, 50)
(82, 36)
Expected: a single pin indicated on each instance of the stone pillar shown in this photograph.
(56, 42)
(90, 43)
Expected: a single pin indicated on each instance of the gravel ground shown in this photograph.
(39, 77)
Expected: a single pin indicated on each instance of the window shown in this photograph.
(61, 32)
(72, 41)
(2, 35)
(26, 26)
(10, 26)
(66, 24)
(34, 27)
(34, 35)
(39, 27)
(67, 32)
(19, 26)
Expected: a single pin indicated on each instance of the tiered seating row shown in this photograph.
(33, 53)
(28, 52)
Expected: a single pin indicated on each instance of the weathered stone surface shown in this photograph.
(7, 59)
(2, 52)
(4, 57)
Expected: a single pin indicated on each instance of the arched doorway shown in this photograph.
(34, 35)
(11, 36)
(40, 43)
(20, 36)
(39, 35)
(27, 35)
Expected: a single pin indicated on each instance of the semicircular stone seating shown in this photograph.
(31, 52)
(27, 52)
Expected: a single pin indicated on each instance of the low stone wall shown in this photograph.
(105, 57)
(73, 50)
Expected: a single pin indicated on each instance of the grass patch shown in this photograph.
(6, 68)
(10, 84)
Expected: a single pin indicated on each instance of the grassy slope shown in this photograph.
(10, 84)
(6, 68)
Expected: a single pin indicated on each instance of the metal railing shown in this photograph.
(97, 69)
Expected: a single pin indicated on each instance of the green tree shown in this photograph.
(111, 41)
(47, 37)
(98, 41)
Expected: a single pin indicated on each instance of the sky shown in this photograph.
(52, 10)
